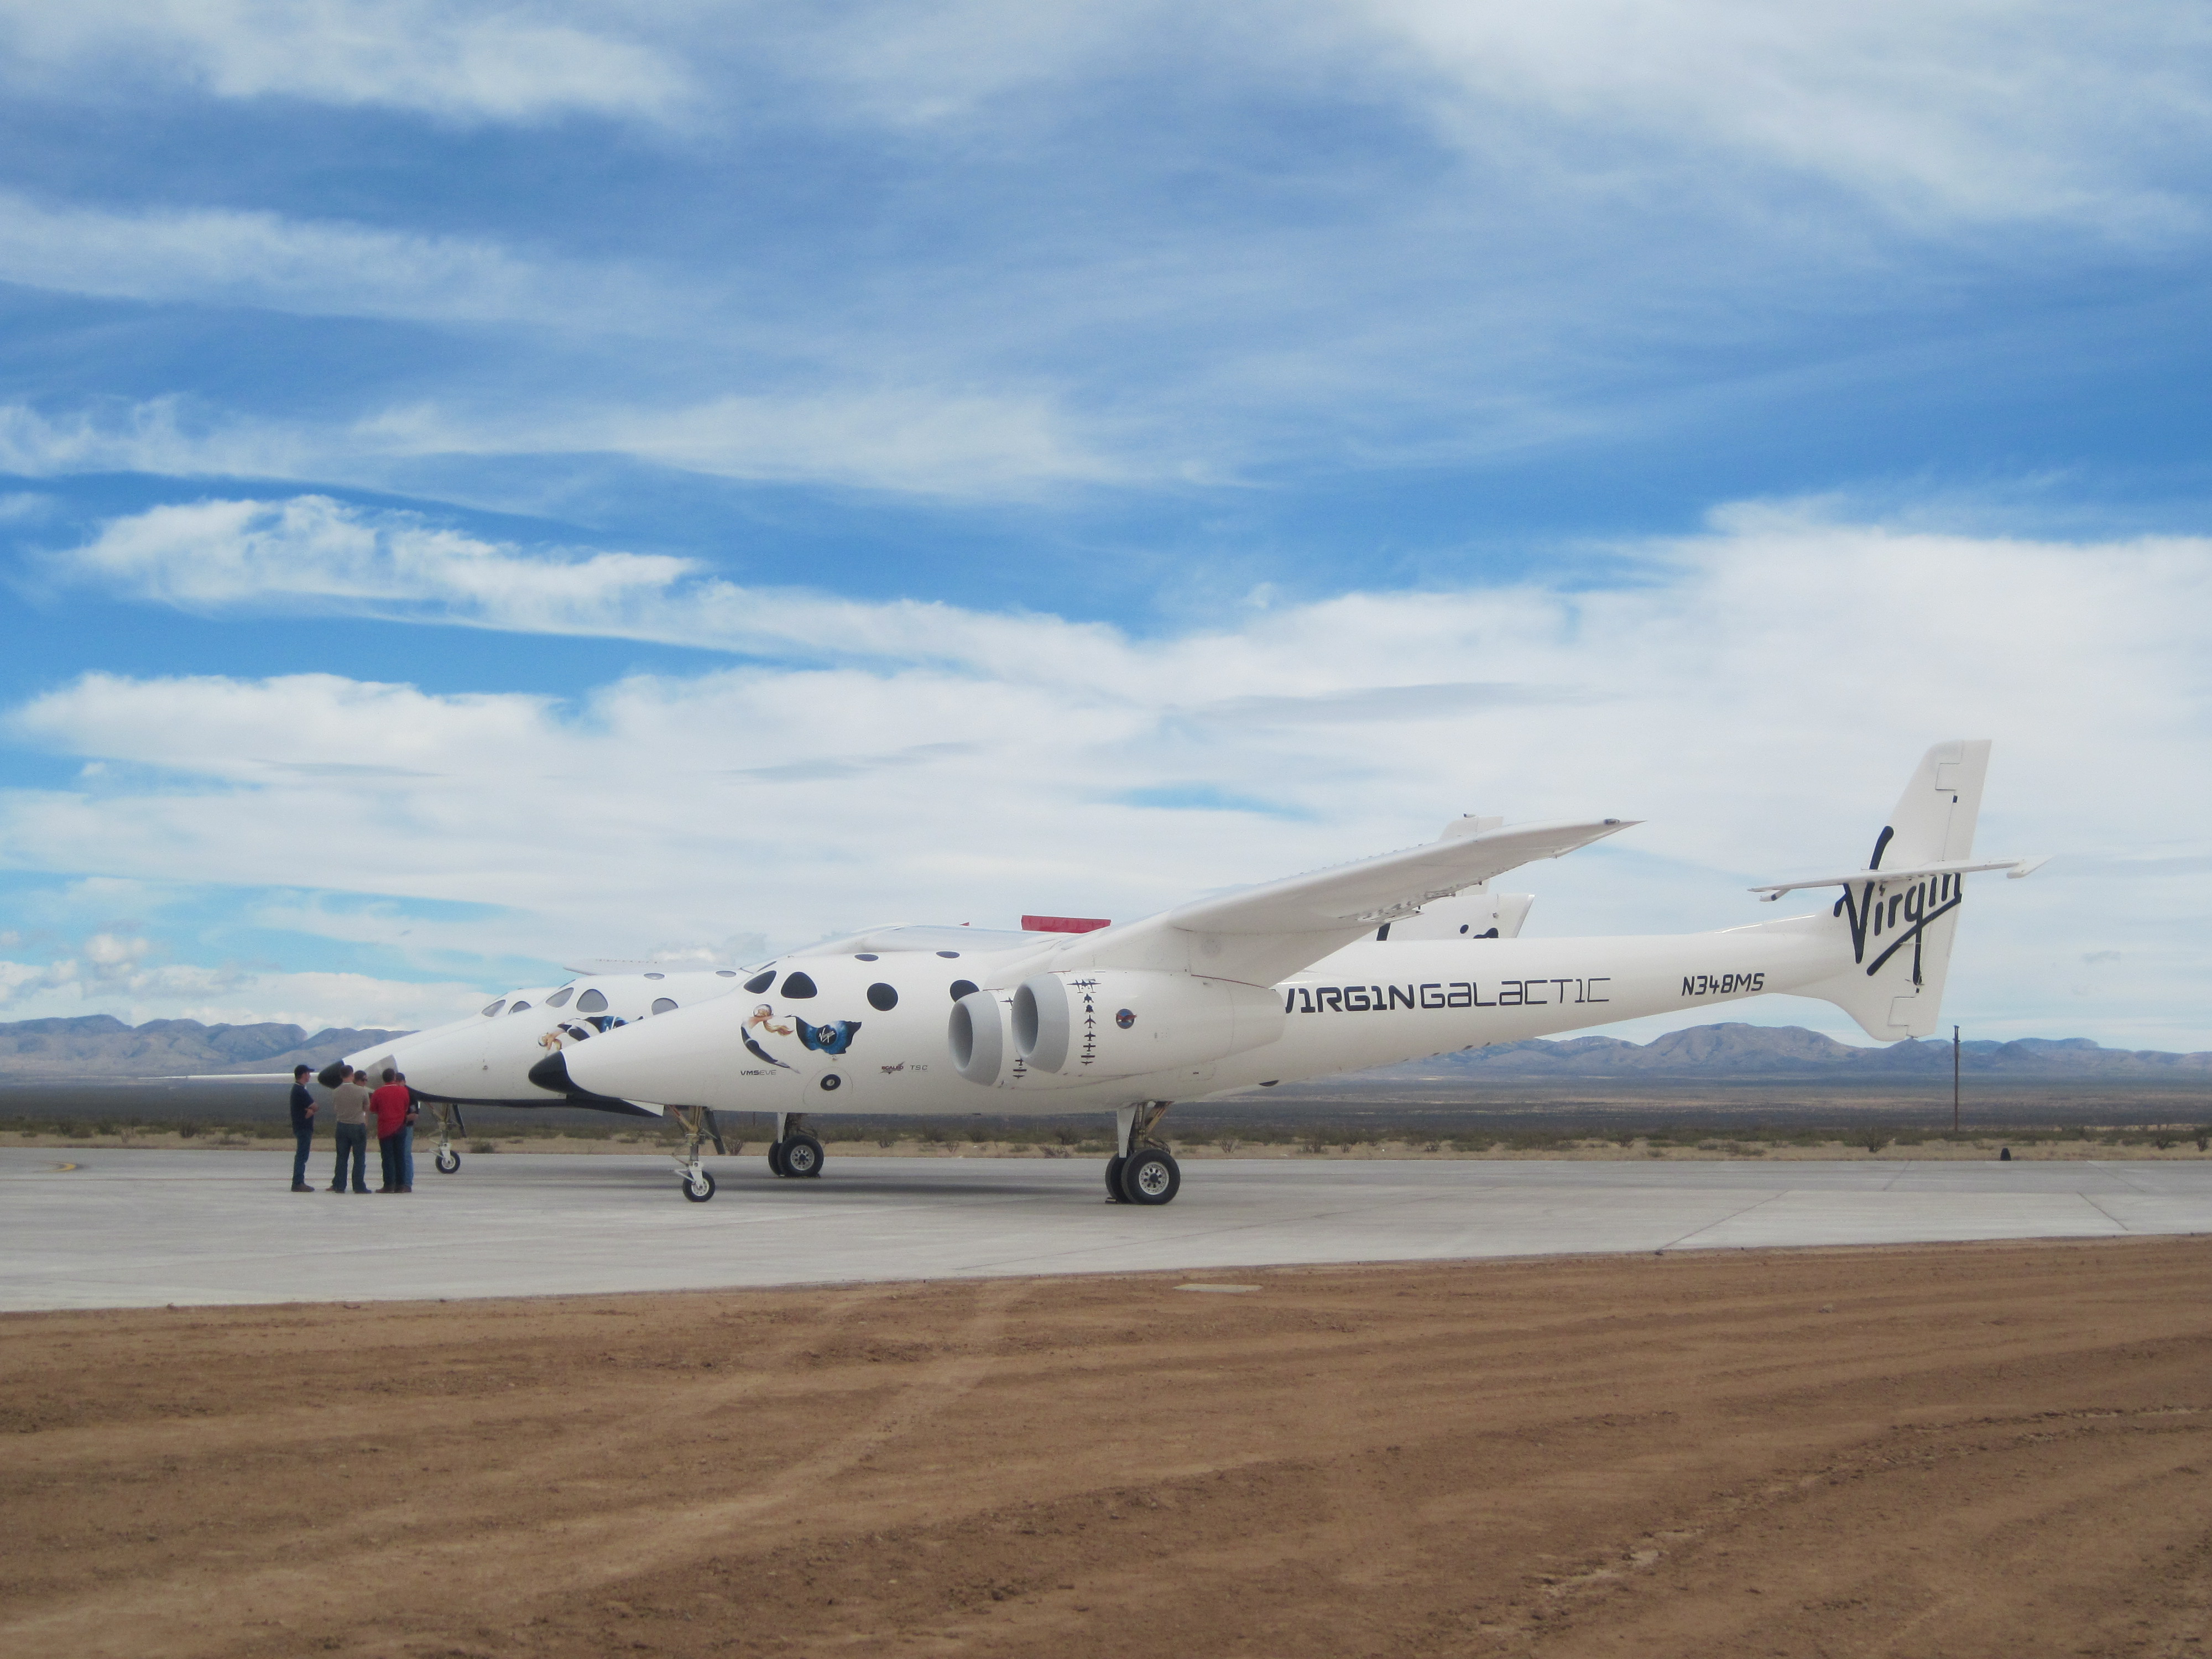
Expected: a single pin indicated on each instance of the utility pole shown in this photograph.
(1955, 1079)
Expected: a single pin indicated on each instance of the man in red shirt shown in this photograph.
(393, 1103)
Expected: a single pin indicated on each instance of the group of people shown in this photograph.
(355, 1109)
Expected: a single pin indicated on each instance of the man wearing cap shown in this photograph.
(303, 1128)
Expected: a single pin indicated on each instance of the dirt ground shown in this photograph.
(1990, 1449)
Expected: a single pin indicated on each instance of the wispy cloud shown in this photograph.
(458, 62)
(270, 261)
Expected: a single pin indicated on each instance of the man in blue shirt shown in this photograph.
(303, 1128)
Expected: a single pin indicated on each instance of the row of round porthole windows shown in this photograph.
(796, 987)
(799, 987)
(592, 1002)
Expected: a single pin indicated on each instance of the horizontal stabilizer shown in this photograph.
(2014, 869)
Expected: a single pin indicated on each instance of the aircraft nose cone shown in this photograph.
(552, 1072)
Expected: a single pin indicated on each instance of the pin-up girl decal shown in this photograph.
(763, 1017)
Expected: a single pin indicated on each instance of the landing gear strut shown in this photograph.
(449, 1125)
(796, 1151)
(699, 1128)
(1143, 1171)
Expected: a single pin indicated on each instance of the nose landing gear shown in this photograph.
(449, 1125)
(699, 1128)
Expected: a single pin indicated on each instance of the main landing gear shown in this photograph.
(699, 1128)
(796, 1151)
(1143, 1171)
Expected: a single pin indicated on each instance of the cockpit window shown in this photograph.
(560, 998)
(519, 1005)
(591, 1003)
(662, 1004)
(798, 986)
(495, 1007)
(761, 981)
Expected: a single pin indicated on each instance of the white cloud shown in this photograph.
(911, 440)
(216, 255)
(1758, 693)
(227, 996)
(1962, 111)
(461, 62)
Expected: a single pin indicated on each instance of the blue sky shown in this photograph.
(484, 485)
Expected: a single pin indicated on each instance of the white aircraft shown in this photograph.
(485, 1058)
(1362, 965)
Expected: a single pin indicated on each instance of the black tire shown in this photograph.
(701, 1193)
(1150, 1177)
(802, 1156)
(1113, 1179)
(776, 1157)
(448, 1162)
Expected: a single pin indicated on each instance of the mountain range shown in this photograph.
(100, 1048)
(1736, 1050)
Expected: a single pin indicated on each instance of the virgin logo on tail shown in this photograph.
(1900, 917)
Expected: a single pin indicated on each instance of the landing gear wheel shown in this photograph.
(802, 1156)
(698, 1186)
(1113, 1179)
(1150, 1176)
(448, 1162)
(775, 1158)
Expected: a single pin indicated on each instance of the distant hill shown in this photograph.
(100, 1048)
(1740, 1050)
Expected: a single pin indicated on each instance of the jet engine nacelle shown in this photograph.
(1063, 1029)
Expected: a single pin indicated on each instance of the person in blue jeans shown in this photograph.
(349, 1128)
(407, 1141)
(303, 1128)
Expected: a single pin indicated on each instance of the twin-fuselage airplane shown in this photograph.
(1389, 959)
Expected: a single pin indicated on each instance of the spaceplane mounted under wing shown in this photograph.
(1297, 978)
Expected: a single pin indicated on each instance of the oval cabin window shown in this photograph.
(560, 998)
(591, 1003)
(519, 1007)
(495, 1007)
(883, 998)
(962, 988)
(662, 1004)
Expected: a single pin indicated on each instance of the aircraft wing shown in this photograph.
(1260, 934)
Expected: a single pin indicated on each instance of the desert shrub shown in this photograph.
(1874, 1141)
(931, 1135)
(482, 1146)
(1227, 1143)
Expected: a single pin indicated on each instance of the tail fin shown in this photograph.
(1899, 932)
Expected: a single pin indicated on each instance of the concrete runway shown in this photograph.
(109, 1229)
